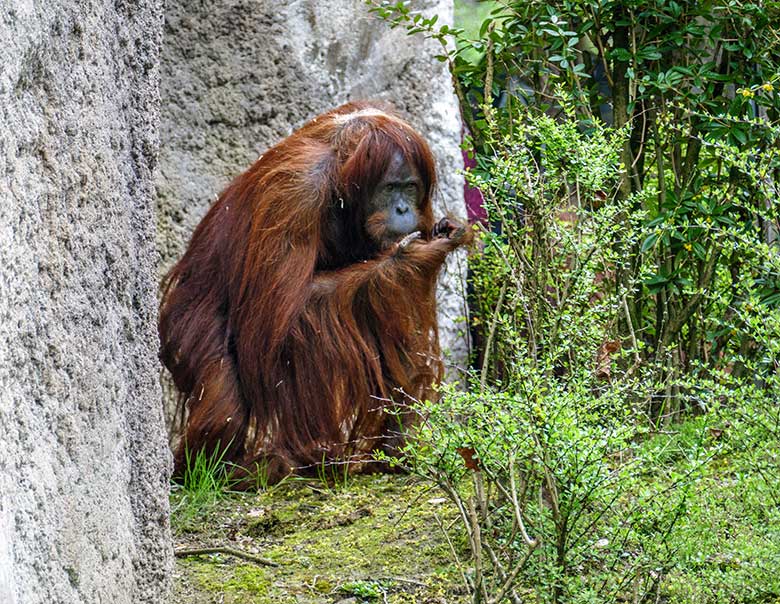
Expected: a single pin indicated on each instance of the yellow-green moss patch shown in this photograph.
(375, 539)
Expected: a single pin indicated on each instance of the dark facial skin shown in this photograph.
(396, 200)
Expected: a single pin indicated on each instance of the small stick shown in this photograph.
(199, 551)
(402, 580)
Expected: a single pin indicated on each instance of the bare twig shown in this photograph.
(403, 580)
(476, 539)
(454, 553)
(530, 541)
(634, 344)
(487, 106)
(491, 335)
(228, 551)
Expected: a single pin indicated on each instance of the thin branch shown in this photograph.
(491, 334)
(530, 541)
(228, 551)
(453, 552)
(630, 323)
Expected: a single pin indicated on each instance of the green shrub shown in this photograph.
(626, 302)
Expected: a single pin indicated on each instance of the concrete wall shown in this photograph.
(83, 458)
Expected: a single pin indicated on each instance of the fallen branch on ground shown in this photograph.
(229, 551)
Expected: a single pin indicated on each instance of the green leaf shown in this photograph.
(739, 135)
(771, 300)
(649, 242)
(620, 54)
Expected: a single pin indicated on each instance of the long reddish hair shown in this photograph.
(291, 336)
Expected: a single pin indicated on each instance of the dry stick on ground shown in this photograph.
(403, 580)
(229, 551)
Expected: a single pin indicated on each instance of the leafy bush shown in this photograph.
(692, 88)
(629, 280)
(541, 456)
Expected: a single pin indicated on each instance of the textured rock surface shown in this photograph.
(83, 458)
(240, 75)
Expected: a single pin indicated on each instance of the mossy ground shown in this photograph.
(377, 538)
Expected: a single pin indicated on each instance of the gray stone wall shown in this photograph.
(239, 75)
(83, 457)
